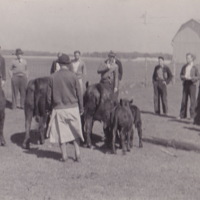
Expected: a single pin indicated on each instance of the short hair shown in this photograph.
(77, 51)
(161, 57)
(192, 55)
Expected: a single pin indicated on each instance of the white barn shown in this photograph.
(187, 39)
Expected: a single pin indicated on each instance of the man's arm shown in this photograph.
(154, 77)
(182, 74)
(196, 77)
(120, 69)
(169, 75)
(3, 70)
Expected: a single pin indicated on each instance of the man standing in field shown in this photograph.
(79, 68)
(112, 59)
(55, 65)
(189, 76)
(109, 77)
(161, 78)
(2, 69)
(19, 78)
(64, 94)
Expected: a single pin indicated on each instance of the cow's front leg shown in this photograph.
(2, 119)
(28, 119)
(88, 131)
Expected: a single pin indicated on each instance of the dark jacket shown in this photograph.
(64, 90)
(194, 73)
(2, 68)
(120, 68)
(167, 74)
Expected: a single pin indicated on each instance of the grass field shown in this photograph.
(153, 172)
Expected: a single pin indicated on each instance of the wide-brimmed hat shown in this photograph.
(18, 52)
(111, 54)
(64, 59)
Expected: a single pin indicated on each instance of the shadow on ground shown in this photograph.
(192, 129)
(18, 138)
(8, 104)
(41, 153)
(152, 113)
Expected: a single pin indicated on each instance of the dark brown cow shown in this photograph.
(122, 121)
(36, 106)
(2, 116)
(97, 108)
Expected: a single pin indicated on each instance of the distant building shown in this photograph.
(187, 39)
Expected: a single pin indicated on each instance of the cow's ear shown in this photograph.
(121, 101)
(131, 101)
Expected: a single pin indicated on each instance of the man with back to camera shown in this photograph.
(161, 78)
(189, 76)
(64, 94)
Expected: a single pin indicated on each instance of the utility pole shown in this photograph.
(144, 16)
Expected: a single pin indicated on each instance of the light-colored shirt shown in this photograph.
(75, 66)
(19, 67)
(188, 71)
(160, 73)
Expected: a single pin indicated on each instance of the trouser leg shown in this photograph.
(164, 98)
(15, 90)
(192, 94)
(22, 90)
(156, 98)
(183, 111)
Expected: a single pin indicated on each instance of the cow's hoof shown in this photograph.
(3, 143)
(123, 153)
(128, 150)
(140, 145)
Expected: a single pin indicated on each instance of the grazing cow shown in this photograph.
(122, 121)
(137, 121)
(2, 116)
(97, 107)
(36, 106)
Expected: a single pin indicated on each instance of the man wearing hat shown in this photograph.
(64, 94)
(112, 59)
(19, 78)
(111, 73)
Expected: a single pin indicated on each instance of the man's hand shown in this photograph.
(115, 89)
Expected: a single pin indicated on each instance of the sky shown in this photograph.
(93, 25)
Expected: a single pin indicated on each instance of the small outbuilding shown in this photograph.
(187, 39)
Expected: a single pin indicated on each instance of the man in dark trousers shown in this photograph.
(161, 78)
(189, 76)
(2, 69)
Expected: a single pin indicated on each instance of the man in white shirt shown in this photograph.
(189, 75)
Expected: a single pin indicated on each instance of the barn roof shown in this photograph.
(193, 24)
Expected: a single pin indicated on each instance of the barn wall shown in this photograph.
(186, 41)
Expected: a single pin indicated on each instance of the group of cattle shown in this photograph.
(118, 118)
